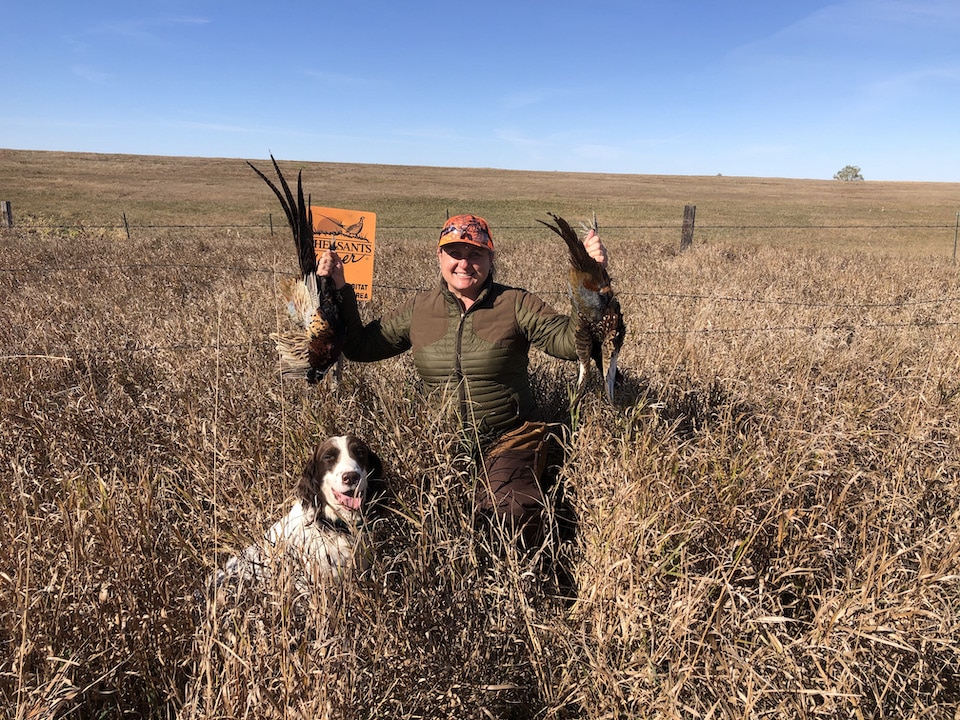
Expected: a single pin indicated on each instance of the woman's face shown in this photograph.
(464, 268)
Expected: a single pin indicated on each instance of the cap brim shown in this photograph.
(461, 241)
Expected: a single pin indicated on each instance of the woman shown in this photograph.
(471, 337)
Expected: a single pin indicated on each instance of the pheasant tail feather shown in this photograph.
(313, 303)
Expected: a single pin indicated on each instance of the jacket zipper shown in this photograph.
(458, 366)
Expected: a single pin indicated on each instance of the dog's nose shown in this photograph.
(350, 479)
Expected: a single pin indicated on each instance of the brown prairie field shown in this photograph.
(766, 524)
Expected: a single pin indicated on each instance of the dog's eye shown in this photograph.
(330, 457)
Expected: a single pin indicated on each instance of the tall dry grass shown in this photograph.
(766, 525)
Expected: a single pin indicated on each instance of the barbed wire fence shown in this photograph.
(127, 227)
(684, 230)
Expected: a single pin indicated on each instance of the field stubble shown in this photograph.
(766, 525)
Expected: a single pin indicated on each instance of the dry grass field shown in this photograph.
(766, 525)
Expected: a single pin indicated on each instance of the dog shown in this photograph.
(323, 536)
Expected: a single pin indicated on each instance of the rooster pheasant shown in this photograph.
(314, 350)
(600, 328)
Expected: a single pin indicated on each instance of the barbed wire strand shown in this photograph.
(80, 352)
(431, 228)
(409, 288)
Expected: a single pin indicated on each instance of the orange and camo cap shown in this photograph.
(469, 229)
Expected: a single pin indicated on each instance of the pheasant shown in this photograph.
(600, 328)
(312, 351)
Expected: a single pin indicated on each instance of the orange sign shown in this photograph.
(351, 233)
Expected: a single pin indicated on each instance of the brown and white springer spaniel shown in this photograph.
(323, 532)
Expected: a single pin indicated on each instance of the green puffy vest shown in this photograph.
(479, 355)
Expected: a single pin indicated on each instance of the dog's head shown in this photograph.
(340, 479)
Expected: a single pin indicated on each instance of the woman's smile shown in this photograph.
(465, 269)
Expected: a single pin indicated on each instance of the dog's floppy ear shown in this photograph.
(376, 482)
(376, 467)
(308, 489)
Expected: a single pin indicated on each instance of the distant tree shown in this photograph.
(850, 172)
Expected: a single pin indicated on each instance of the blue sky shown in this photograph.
(768, 88)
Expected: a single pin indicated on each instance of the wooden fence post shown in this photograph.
(686, 234)
(6, 211)
(956, 233)
(126, 225)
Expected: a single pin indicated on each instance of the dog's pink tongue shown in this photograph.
(352, 502)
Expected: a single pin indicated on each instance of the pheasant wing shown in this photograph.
(312, 302)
